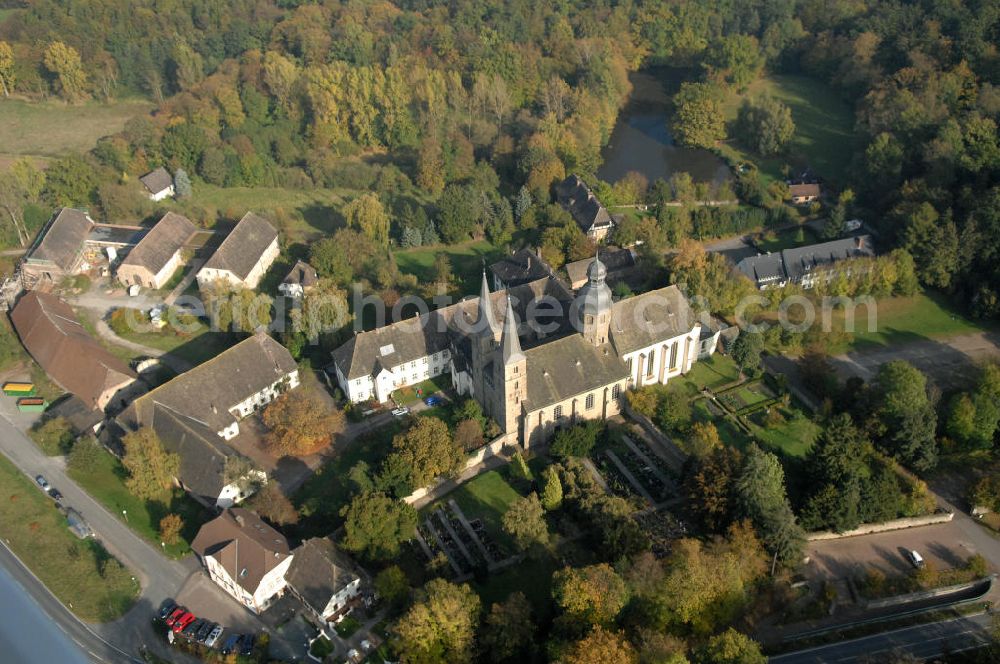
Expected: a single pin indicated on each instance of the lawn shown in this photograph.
(905, 319)
(323, 495)
(794, 437)
(467, 260)
(77, 572)
(533, 577)
(105, 481)
(824, 125)
(771, 242)
(487, 497)
(52, 128)
(407, 396)
(197, 347)
(713, 373)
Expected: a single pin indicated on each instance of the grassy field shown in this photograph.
(52, 128)
(466, 262)
(487, 497)
(823, 127)
(794, 437)
(80, 573)
(772, 242)
(106, 483)
(712, 373)
(195, 348)
(905, 319)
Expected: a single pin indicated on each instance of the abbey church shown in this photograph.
(536, 356)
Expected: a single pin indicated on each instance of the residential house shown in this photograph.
(246, 557)
(323, 580)
(531, 369)
(803, 192)
(78, 363)
(805, 266)
(195, 414)
(159, 184)
(244, 256)
(588, 212)
(520, 267)
(300, 279)
(158, 255)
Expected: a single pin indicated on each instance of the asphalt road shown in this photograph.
(922, 641)
(159, 577)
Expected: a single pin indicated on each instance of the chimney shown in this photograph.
(529, 261)
(214, 409)
(239, 520)
(858, 241)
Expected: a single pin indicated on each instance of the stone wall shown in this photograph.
(885, 526)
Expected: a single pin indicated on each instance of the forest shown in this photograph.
(460, 116)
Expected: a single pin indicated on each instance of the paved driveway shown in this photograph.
(946, 545)
(949, 362)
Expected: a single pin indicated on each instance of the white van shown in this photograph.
(915, 558)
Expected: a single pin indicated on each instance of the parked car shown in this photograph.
(434, 401)
(915, 558)
(191, 629)
(42, 482)
(55, 495)
(213, 636)
(231, 644)
(204, 631)
(168, 607)
(175, 615)
(246, 646)
(183, 622)
(399, 412)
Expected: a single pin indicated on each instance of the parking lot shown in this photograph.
(943, 545)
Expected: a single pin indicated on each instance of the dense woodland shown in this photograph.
(461, 115)
(446, 121)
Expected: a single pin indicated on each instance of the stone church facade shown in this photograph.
(536, 357)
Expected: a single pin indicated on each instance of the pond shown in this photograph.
(641, 140)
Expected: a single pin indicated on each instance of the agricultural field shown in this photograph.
(44, 130)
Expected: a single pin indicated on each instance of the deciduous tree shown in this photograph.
(524, 520)
(427, 450)
(64, 62)
(375, 525)
(601, 646)
(440, 626)
(367, 215)
(300, 423)
(151, 469)
(509, 630)
(170, 528)
(272, 504)
(592, 595)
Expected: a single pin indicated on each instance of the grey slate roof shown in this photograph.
(565, 367)
(614, 261)
(245, 546)
(520, 267)
(303, 274)
(641, 321)
(202, 453)
(433, 332)
(802, 260)
(164, 240)
(204, 393)
(793, 264)
(158, 180)
(61, 241)
(244, 246)
(574, 195)
(318, 572)
(510, 343)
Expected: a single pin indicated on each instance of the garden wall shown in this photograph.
(885, 526)
(491, 449)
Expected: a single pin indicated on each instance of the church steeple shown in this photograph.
(594, 302)
(487, 322)
(510, 345)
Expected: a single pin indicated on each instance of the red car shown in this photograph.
(183, 622)
(174, 615)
